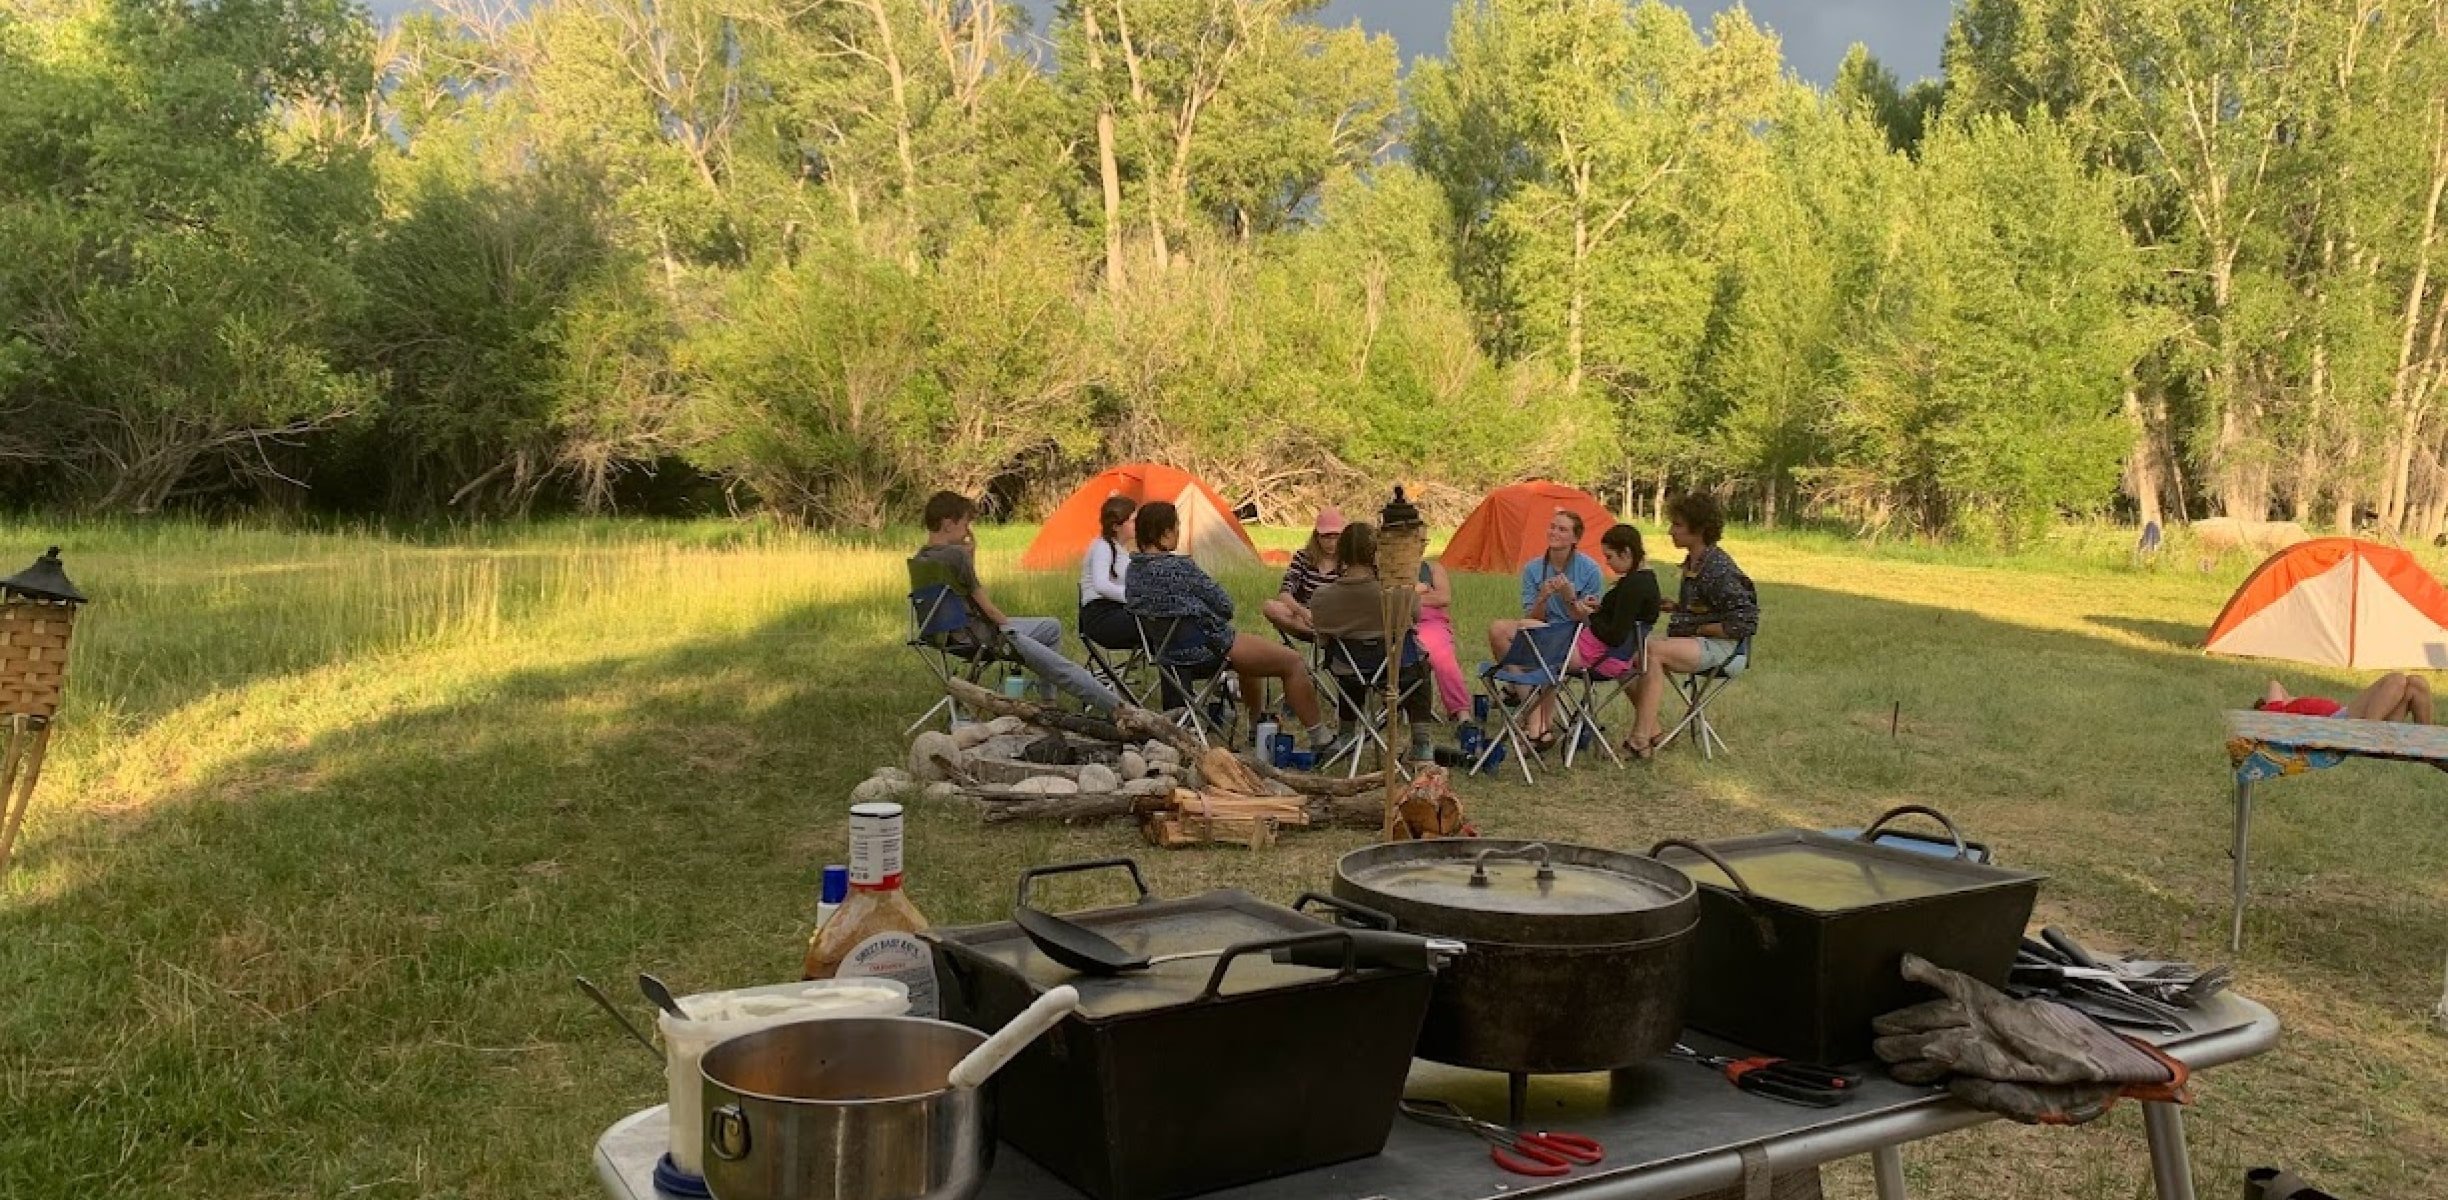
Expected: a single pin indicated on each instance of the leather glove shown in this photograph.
(2033, 1060)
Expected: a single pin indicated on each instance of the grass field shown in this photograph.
(334, 817)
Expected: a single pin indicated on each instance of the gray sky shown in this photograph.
(1905, 34)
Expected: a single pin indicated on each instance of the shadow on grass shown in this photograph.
(2174, 635)
(343, 965)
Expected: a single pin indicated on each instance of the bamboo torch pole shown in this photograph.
(1402, 541)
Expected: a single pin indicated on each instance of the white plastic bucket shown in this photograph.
(720, 1016)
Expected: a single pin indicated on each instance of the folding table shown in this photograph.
(1671, 1129)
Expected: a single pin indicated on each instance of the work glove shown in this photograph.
(2033, 1060)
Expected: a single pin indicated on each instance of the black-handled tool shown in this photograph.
(1785, 1079)
(1372, 950)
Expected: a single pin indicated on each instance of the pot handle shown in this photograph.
(1867, 836)
(1021, 900)
(727, 1133)
(1760, 923)
(1224, 961)
(1536, 852)
(1361, 916)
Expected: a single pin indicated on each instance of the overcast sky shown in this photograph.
(1905, 34)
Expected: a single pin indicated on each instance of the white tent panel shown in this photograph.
(2390, 633)
(2309, 624)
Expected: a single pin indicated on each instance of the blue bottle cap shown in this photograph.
(836, 885)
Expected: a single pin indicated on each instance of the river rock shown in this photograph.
(971, 736)
(1096, 778)
(878, 789)
(925, 749)
(1134, 765)
(1046, 785)
(1151, 786)
(942, 791)
(1006, 725)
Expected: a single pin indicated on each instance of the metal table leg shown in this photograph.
(2171, 1162)
(1887, 1167)
(2241, 852)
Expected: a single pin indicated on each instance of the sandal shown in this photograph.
(1639, 747)
(1545, 742)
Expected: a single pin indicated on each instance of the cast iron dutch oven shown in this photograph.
(1577, 956)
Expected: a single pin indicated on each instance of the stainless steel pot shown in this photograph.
(851, 1108)
(1577, 957)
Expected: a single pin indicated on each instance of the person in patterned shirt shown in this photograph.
(1313, 566)
(1715, 612)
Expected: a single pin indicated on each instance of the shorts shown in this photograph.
(1590, 651)
(1715, 653)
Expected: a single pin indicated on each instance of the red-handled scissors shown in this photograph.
(1542, 1154)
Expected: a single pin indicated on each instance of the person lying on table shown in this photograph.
(1631, 605)
(1715, 609)
(1161, 584)
(949, 545)
(1559, 586)
(1354, 607)
(2396, 696)
(1313, 566)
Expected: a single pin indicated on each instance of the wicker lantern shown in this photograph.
(1402, 541)
(38, 609)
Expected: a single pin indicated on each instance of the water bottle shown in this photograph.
(1265, 743)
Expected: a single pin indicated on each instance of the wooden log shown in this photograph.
(972, 696)
(1346, 812)
(1066, 809)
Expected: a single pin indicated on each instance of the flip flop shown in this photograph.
(1638, 746)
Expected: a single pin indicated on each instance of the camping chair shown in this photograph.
(1586, 694)
(1698, 691)
(1196, 685)
(941, 637)
(1535, 661)
(1127, 671)
(1364, 659)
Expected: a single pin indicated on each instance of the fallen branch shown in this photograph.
(1066, 809)
(970, 695)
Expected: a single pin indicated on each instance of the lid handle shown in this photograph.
(1215, 979)
(1535, 851)
(1760, 923)
(1020, 900)
(1355, 916)
(1870, 835)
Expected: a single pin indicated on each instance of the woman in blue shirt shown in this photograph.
(1558, 587)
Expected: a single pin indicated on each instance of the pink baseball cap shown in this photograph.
(1330, 520)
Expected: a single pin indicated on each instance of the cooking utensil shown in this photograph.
(1803, 1083)
(1047, 1012)
(1577, 955)
(1175, 1082)
(1802, 936)
(661, 996)
(605, 1003)
(846, 1108)
(1542, 1154)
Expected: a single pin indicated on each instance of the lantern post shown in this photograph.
(1402, 541)
(38, 608)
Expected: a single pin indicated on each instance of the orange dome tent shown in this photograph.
(2338, 602)
(1209, 532)
(1509, 527)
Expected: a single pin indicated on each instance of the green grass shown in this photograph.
(335, 815)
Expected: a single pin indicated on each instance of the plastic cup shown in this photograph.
(1015, 686)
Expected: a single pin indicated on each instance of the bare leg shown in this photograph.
(2418, 699)
(2275, 693)
(1500, 636)
(1665, 653)
(2387, 699)
(1257, 659)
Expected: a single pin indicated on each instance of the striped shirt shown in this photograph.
(1302, 579)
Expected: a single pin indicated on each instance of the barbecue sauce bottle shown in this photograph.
(875, 932)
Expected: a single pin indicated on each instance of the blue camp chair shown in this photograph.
(1363, 660)
(1586, 694)
(941, 636)
(1534, 661)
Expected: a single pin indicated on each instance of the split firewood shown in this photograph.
(1284, 810)
(1223, 770)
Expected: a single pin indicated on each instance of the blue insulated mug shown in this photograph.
(1282, 750)
(1479, 708)
(1471, 740)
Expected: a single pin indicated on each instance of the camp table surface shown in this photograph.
(1671, 1129)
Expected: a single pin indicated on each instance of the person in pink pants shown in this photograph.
(1435, 630)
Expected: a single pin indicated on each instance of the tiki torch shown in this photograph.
(1402, 541)
(37, 615)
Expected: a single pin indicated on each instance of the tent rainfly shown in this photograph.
(1509, 528)
(1209, 531)
(2338, 602)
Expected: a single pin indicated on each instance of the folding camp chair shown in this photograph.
(1194, 686)
(1535, 661)
(1586, 694)
(1364, 659)
(941, 636)
(1126, 670)
(1698, 692)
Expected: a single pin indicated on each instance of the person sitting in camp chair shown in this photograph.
(1163, 585)
(1350, 612)
(1628, 607)
(1313, 566)
(1559, 587)
(949, 556)
(1715, 612)
(2396, 696)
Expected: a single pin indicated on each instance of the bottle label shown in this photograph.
(897, 955)
(875, 845)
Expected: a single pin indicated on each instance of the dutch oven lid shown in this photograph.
(1518, 892)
